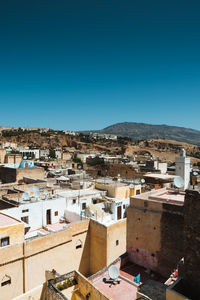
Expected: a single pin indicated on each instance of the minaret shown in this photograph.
(183, 168)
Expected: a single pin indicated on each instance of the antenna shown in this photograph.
(178, 182)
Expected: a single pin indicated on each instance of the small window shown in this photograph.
(74, 201)
(124, 206)
(145, 204)
(117, 242)
(137, 250)
(5, 241)
(83, 205)
(25, 210)
(25, 219)
(153, 255)
(137, 192)
(56, 213)
(94, 201)
(6, 280)
(78, 244)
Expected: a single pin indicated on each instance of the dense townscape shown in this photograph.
(97, 216)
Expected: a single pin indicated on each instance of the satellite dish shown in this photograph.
(137, 181)
(25, 157)
(45, 192)
(178, 182)
(37, 194)
(25, 196)
(113, 272)
(142, 180)
(195, 173)
(36, 189)
(131, 186)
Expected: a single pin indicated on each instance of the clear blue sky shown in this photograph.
(88, 64)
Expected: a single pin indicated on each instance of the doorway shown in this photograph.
(119, 212)
(48, 216)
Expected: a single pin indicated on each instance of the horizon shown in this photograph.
(84, 130)
(74, 66)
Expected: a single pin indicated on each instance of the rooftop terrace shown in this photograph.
(6, 220)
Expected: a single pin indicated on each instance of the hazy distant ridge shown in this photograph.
(139, 131)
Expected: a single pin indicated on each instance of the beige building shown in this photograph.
(85, 246)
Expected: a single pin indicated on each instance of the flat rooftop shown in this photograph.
(125, 290)
(165, 195)
(79, 193)
(160, 176)
(6, 220)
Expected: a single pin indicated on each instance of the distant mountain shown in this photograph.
(140, 131)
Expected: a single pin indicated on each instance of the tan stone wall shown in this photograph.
(2, 155)
(30, 260)
(120, 192)
(103, 248)
(116, 232)
(35, 173)
(98, 245)
(143, 232)
(34, 294)
(85, 287)
(15, 233)
(13, 158)
(57, 251)
(11, 266)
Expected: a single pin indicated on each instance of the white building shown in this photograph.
(183, 168)
(37, 211)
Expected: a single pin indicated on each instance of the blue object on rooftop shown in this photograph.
(26, 164)
(137, 278)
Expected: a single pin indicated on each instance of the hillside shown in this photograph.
(142, 131)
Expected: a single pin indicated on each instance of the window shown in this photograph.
(137, 192)
(145, 204)
(74, 201)
(6, 280)
(124, 206)
(83, 205)
(5, 241)
(78, 244)
(25, 219)
(94, 201)
(56, 213)
(25, 210)
(117, 242)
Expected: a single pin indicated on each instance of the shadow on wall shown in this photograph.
(172, 237)
(84, 266)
